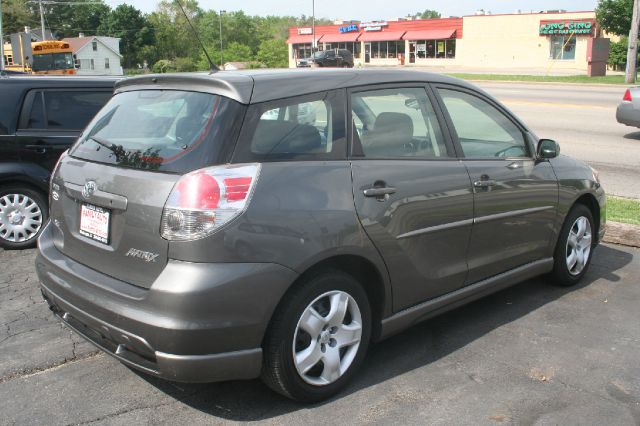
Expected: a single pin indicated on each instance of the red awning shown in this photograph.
(429, 35)
(340, 37)
(305, 38)
(381, 36)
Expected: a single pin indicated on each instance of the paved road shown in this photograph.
(582, 119)
(532, 354)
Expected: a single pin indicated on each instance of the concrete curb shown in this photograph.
(622, 233)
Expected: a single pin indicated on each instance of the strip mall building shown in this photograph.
(562, 40)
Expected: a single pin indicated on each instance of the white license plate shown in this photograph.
(94, 223)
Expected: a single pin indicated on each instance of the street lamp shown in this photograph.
(221, 51)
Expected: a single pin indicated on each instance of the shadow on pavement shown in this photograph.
(416, 347)
(632, 135)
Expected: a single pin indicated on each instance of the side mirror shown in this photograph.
(547, 149)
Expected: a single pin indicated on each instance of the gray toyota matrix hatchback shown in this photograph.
(235, 225)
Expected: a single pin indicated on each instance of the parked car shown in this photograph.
(40, 117)
(200, 232)
(341, 58)
(628, 111)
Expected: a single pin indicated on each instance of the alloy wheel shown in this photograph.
(327, 338)
(578, 245)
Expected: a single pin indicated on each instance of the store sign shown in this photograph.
(378, 28)
(348, 28)
(566, 28)
(366, 25)
(305, 31)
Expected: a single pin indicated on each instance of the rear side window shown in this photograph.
(164, 130)
(62, 109)
(399, 122)
(302, 128)
(72, 110)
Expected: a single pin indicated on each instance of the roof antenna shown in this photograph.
(214, 67)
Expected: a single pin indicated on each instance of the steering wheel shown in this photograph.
(503, 152)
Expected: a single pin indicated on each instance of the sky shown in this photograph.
(374, 9)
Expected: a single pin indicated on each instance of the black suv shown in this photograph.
(341, 58)
(39, 119)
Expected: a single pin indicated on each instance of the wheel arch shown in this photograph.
(591, 202)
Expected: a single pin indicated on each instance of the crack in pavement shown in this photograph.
(29, 372)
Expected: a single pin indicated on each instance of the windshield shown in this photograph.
(166, 130)
(53, 61)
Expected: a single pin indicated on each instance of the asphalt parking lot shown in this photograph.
(532, 354)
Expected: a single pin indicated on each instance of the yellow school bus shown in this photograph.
(52, 57)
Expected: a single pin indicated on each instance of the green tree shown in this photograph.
(234, 52)
(15, 16)
(133, 29)
(429, 14)
(174, 37)
(618, 53)
(273, 53)
(615, 16)
(67, 20)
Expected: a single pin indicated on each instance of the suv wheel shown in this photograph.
(573, 250)
(318, 337)
(23, 213)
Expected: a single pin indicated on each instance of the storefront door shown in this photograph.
(367, 53)
(412, 52)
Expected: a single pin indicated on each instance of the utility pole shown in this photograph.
(632, 51)
(1, 40)
(221, 51)
(313, 25)
(44, 37)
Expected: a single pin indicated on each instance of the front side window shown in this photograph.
(483, 131)
(392, 123)
(165, 130)
(563, 47)
(305, 128)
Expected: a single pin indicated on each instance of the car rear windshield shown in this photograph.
(162, 130)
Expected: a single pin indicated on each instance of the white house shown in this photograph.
(97, 55)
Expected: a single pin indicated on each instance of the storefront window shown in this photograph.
(301, 51)
(563, 47)
(387, 49)
(436, 48)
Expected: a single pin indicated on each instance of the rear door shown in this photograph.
(515, 196)
(412, 195)
(51, 120)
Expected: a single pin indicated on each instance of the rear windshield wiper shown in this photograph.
(117, 150)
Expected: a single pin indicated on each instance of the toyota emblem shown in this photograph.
(89, 188)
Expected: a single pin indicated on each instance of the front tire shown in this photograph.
(574, 247)
(23, 213)
(318, 337)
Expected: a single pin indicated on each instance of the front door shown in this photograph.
(412, 195)
(367, 53)
(412, 52)
(515, 196)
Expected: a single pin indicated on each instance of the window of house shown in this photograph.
(563, 47)
(92, 65)
(94, 45)
(106, 63)
(399, 122)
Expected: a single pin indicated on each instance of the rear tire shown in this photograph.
(23, 214)
(574, 247)
(318, 337)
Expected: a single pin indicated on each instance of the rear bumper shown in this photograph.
(627, 114)
(197, 322)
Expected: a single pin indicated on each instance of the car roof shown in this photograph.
(57, 81)
(254, 86)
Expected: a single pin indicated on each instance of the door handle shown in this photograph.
(39, 149)
(379, 192)
(484, 183)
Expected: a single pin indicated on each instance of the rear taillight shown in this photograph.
(204, 200)
(53, 187)
(627, 96)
